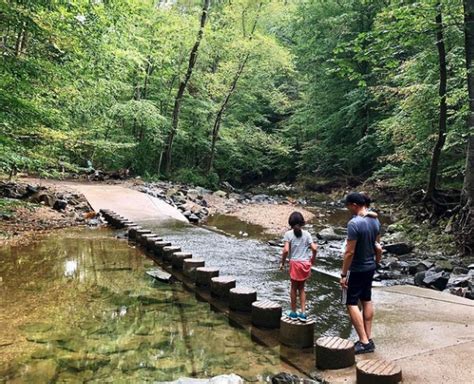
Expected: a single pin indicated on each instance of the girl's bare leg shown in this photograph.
(302, 296)
(293, 292)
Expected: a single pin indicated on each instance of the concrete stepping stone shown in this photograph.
(168, 252)
(334, 353)
(241, 299)
(140, 233)
(204, 276)
(158, 247)
(221, 285)
(132, 232)
(144, 238)
(266, 314)
(295, 333)
(160, 275)
(150, 242)
(190, 265)
(378, 371)
(177, 259)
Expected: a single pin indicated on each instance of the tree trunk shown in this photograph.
(233, 86)
(433, 176)
(182, 88)
(465, 223)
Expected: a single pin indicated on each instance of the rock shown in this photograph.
(285, 378)
(160, 275)
(193, 219)
(470, 266)
(275, 243)
(399, 248)
(438, 280)
(419, 277)
(221, 194)
(261, 198)
(444, 265)
(329, 234)
(43, 371)
(424, 265)
(221, 379)
(460, 271)
(60, 205)
(460, 281)
(43, 197)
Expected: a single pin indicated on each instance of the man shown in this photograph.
(360, 257)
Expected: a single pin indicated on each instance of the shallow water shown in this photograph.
(256, 264)
(77, 306)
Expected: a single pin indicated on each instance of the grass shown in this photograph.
(9, 206)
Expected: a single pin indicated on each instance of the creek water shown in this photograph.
(78, 306)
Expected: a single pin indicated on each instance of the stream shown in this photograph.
(78, 306)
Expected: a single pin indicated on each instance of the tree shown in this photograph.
(442, 125)
(465, 224)
(182, 88)
(232, 88)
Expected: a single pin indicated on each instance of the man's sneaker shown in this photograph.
(361, 348)
(292, 315)
(302, 317)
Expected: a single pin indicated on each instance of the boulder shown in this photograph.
(460, 281)
(193, 219)
(329, 234)
(437, 280)
(444, 265)
(60, 205)
(221, 194)
(399, 248)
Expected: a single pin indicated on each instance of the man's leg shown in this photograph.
(368, 315)
(358, 322)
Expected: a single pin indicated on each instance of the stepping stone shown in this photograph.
(295, 333)
(132, 232)
(158, 247)
(204, 276)
(241, 299)
(168, 252)
(334, 353)
(144, 238)
(160, 275)
(150, 242)
(378, 371)
(266, 314)
(190, 265)
(221, 285)
(140, 232)
(177, 259)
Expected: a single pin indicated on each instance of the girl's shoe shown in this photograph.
(292, 315)
(302, 317)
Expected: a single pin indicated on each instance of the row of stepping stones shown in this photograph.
(331, 352)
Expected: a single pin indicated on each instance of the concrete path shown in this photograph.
(127, 202)
(429, 334)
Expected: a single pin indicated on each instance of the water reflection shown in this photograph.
(113, 323)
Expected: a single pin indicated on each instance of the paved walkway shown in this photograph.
(127, 202)
(429, 334)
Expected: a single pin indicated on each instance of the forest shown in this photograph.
(243, 91)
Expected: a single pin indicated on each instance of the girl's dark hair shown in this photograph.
(296, 221)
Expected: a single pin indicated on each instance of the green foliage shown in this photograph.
(329, 89)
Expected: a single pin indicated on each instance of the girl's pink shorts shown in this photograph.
(300, 270)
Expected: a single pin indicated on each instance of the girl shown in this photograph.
(296, 248)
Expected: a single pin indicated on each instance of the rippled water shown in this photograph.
(256, 264)
(77, 306)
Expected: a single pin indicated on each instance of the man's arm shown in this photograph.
(348, 256)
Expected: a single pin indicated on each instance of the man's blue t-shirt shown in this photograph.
(365, 230)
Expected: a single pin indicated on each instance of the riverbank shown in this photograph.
(30, 208)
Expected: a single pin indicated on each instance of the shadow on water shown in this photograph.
(77, 306)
